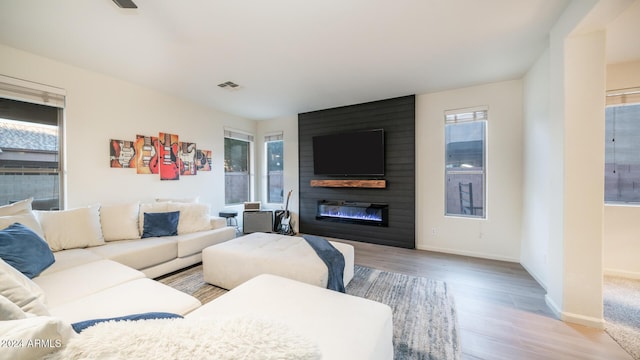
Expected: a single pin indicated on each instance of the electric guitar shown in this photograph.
(154, 163)
(187, 156)
(169, 169)
(202, 161)
(147, 151)
(285, 227)
(123, 154)
(145, 154)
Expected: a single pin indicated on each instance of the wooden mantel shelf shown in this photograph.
(375, 184)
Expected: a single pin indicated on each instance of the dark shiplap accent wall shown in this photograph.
(397, 118)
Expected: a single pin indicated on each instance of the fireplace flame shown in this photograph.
(355, 214)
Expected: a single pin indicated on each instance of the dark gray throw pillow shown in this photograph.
(160, 224)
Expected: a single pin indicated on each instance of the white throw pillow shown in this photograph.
(17, 207)
(150, 208)
(33, 337)
(120, 221)
(9, 310)
(193, 217)
(27, 219)
(69, 229)
(21, 290)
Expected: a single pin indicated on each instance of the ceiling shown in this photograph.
(292, 56)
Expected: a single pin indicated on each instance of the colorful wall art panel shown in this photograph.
(164, 155)
(168, 156)
(187, 156)
(122, 154)
(146, 154)
(203, 160)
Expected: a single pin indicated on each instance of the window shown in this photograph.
(622, 147)
(465, 171)
(30, 145)
(275, 162)
(237, 176)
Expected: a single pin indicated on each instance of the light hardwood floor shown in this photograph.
(501, 309)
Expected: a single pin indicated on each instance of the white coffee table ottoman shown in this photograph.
(233, 262)
(343, 326)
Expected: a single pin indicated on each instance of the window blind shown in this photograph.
(27, 91)
(233, 134)
(466, 115)
(623, 96)
(273, 137)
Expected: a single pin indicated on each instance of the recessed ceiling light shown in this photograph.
(125, 4)
(229, 84)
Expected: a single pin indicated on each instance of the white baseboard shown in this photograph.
(535, 277)
(622, 273)
(574, 318)
(466, 253)
(597, 323)
(553, 306)
(583, 320)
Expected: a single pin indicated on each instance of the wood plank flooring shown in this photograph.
(501, 308)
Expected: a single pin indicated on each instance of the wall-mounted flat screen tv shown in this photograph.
(358, 153)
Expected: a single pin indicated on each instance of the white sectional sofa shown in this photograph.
(103, 265)
(96, 288)
(102, 268)
(116, 232)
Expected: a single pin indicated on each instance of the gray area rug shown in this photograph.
(425, 324)
(424, 312)
(622, 313)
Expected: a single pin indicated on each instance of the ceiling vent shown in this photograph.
(228, 85)
(125, 4)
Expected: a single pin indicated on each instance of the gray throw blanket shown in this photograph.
(332, 258)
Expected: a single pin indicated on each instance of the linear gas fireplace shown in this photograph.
(353, 212)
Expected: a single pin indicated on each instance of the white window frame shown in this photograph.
(271, 137)
(461, 116)
(619, 98)
(247, 137)
(41, 94)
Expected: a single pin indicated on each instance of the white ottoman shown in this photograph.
(233, 262)
(343, 326)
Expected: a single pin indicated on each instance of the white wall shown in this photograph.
(623, 75)
(555, 285)
(585, 70)
(100, 108)
(621, 225)
(576, 107)
(621, 241)
(497, 236)
(537, 175)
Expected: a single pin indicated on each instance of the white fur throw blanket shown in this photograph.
(240, 338)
